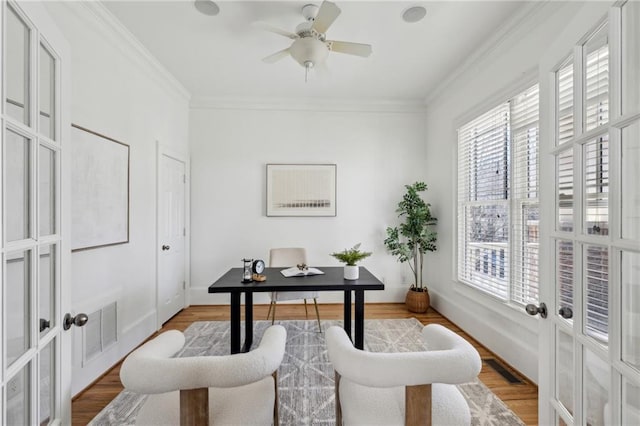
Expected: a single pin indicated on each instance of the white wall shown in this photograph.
(119, 92)
(376, 153)
(507, 331)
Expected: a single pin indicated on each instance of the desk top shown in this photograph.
(331, 280)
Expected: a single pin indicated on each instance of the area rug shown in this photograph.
(305, 377)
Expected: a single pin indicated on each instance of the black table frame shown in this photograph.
(331, 280)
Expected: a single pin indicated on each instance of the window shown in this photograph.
(498, 212)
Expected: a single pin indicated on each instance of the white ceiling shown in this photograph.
(220, 56)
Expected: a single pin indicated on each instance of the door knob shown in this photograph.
(165, 247)
(44, 324)
(534, 310)
(79, 320)
(566, 312)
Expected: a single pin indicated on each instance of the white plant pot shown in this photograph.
(351, 272)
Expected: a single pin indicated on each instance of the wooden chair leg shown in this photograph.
(276, 416)
(337, 401)
(194, 407)
(417, 405)
(306, 313)
(315, 303)
(273, 318)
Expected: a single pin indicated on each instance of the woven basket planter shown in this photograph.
(417, 301)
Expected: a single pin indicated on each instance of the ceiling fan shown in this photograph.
(310, 47)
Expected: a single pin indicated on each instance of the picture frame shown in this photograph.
(301, 190)
(100, 190)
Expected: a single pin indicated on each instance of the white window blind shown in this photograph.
(596, 81)
(498, 200)
(564, 90)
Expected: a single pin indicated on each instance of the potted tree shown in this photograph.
(351, 257)
(411, 240)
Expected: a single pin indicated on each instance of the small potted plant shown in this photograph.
(351, 257)
(411, 240)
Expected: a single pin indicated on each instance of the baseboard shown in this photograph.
(515, 344)
(128, 339)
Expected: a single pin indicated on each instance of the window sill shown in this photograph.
(509, 311)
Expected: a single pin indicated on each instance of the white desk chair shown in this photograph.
(205, 390)
(404, 388)
(286, 258)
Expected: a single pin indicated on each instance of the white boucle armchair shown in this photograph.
(403, 388)
(205, 390)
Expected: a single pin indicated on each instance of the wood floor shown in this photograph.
(522, 397)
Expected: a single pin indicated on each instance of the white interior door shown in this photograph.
(171, 234)
(35, 295)
(590, 341)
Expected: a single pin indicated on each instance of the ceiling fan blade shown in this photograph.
(276, 56)
(326, 15)
(268, 27)
(349, 48)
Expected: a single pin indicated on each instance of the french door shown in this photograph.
(35, 352)
(590, 340)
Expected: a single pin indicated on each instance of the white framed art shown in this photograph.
(301, 189)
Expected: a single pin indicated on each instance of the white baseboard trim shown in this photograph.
(128, 339)
(515, 344)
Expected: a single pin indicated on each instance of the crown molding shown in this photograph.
(128, 44)
(531, 16)
(311, 104)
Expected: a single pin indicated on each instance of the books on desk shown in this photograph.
(294, 271)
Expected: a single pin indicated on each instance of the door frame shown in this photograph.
(163, 150)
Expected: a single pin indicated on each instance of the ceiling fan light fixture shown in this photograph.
(414, 14)
(207, 7)
(308, 49)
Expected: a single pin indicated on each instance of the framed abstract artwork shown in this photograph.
(100, 190)
(301, 189)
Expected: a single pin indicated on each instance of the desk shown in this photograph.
(332, 280)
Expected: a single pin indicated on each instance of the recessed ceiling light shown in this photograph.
(207, 7)
(414, 14)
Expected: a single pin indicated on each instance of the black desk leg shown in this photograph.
(248, 321)
(359, 320)
(235, 323)
(347, 312)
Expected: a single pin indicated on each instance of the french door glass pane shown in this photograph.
(18, 311)
(630, 176)
(47, 93)
(596, 80)
(564, 370)
(18, 405)
(630, 276)
(564, 195)
(596, 275)
(47, 287)
(630, 57)
(47, 382)
(596, 388)
(564, 278)
(16, 186)
(47, 191)
(564, 90)
(17, 67)
(630, 404)
(596, 186)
